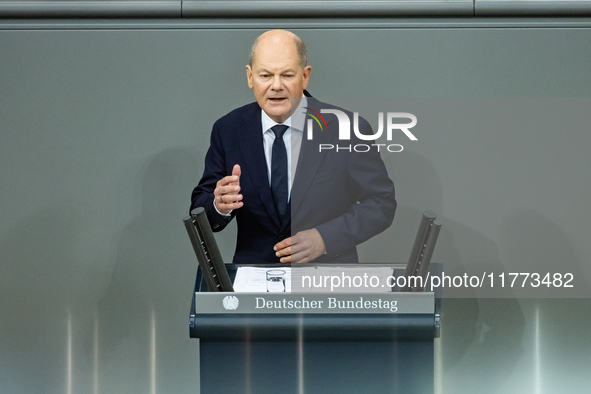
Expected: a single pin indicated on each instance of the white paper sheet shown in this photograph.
(320, 279)
(254, 279)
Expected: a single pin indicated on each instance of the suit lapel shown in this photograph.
(255, 167)
(311, 158)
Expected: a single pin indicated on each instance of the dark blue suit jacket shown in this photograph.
(347, 196)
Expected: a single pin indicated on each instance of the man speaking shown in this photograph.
(293, 201)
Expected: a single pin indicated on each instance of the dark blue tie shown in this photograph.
(279, 170)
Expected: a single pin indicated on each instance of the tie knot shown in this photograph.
(279, 130)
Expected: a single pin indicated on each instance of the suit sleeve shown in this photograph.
(215, 169)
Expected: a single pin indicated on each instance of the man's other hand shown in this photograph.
(303, 247)
(226, 194)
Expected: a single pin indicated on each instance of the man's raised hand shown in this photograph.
(227, 195)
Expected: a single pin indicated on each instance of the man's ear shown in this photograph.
(307, 72)
(249, 76)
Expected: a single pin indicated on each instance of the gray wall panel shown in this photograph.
(330, 9)
(289, 9)
(531, 8)
(102, 137)
(90, 9)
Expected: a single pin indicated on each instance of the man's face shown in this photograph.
(276, 77)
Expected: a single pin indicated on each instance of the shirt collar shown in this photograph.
(295, 121)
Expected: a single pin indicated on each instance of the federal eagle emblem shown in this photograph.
(230, 303)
